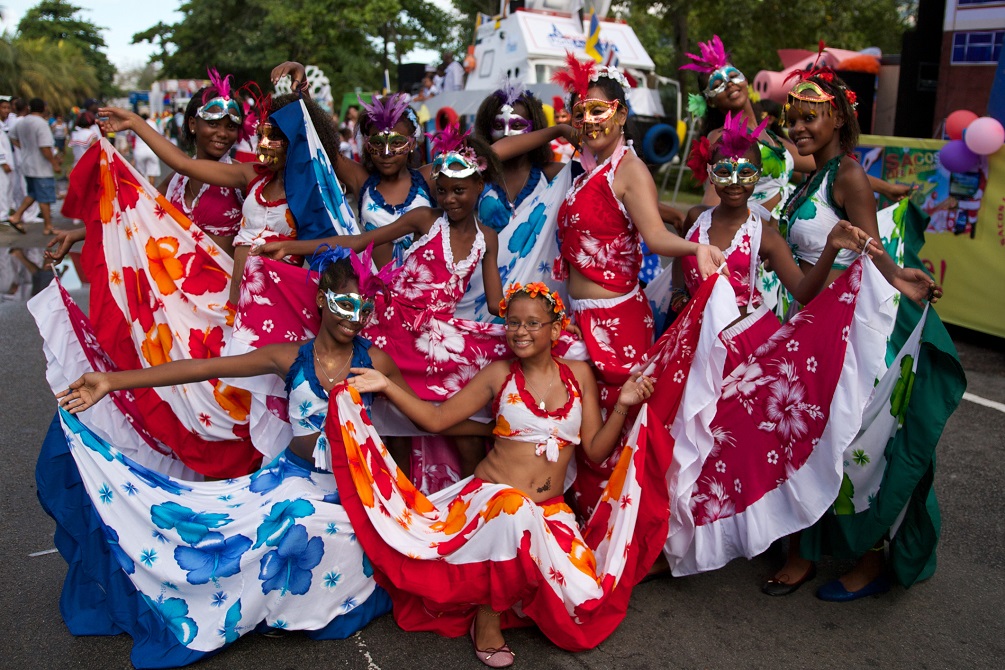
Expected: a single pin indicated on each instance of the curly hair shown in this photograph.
(337, 275)
(612, 91)
(323, 123)
(850, 130)
(489, 109)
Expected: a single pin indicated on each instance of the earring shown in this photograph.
(607, 130)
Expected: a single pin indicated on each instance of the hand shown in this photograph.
(295, 70)
(6, 168)
(277, 251)
(636, 390)
(897, 192)
(846, 236)
(84, 392)
(63, 240)
(116, 119)
(57, 166)
(710, 259)
(574, 330)
(917, 285)
(368, 380)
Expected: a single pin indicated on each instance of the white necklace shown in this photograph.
(530, 387)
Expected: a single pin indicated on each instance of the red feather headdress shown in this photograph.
(576, 76)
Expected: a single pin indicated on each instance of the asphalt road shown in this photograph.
(715, 620)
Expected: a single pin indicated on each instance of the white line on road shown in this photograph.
(43, 553)
(984, 401)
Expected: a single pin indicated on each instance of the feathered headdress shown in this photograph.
(219, 87)
(370, 282)
(252, 94)
(815, 70)
(808, 90)
(384, 113)
(450, 148)
(713, 56)
(511, 90)
(736, 137)
(698, 158)
(576, 76)
(324, 256)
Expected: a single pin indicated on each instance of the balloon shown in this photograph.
(985, 136)
(957, 122)
(956, 157)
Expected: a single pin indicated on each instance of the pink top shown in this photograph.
(742, 257)
(215, 209)
(595, 234)
(520, 417)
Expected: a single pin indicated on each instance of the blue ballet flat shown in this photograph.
(835, 592)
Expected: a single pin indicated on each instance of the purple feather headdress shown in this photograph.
(511, 90)
(373, 283)
(713, 56)
(736, 138)
(384, 113)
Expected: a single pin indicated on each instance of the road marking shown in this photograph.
(984, 401)
(370, 665)
(43, 553)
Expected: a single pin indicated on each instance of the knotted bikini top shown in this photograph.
(520, 418)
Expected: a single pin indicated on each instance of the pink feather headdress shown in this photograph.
(370, 282)
(713, 56)
(219, 87)
(449, 146)
(576, 76)
(384, 113)
(736, 138)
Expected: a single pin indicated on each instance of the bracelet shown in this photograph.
(618, 411)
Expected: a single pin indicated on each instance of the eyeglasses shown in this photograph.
(740, 171)
(593, 111)
(389, 144)
(530, 326)
(722, 78)
(349, 306)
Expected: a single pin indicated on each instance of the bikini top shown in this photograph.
(595, 234)
(519, 418)
(308, 399)
(810, 214)
(216, 210)
(375, 212)
(494, 208)
(742, 256)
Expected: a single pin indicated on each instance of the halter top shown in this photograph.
(264, 220)
(494, 207)
(595, 234)
(742, 256)
(810, 214)
(216, 210)
(375, 212)
(518, 418)
(308, 399)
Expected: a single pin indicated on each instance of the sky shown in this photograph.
(121, 20)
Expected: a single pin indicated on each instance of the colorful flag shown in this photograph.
(593, 39)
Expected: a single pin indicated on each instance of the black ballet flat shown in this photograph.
(776, 587)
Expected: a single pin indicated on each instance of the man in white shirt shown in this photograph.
(39, 164)
(453, 73)
(6, 161)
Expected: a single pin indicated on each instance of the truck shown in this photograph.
(528, 41)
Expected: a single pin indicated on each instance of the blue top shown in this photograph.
(494, 207)
(308, 399)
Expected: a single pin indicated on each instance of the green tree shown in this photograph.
(351, 44)
(37, 68)
(57, 22)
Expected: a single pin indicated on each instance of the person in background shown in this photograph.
(59, 131)
(39, 165)
(453, 73)
(144, 159)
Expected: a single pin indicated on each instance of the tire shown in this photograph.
(660, 144)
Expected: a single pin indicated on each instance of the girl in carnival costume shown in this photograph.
(187, 567)
(436, 351)
(266, 213)
(502, 549)
(885, 472)
(607, 213)
(385, 183)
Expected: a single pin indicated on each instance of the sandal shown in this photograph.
(18, 226)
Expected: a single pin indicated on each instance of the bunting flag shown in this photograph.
(159, 293)
(315, 196)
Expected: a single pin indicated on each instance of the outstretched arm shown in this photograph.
(518, 145)
(232, 175)
(93, 386)
(490, 272)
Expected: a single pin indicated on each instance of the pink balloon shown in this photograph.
(957, 122)
(985, 136)
(956, 157)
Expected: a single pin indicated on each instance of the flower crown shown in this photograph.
(370, 283)
(535, 290)
(450, 148)
(577, 76)
(385, 113)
